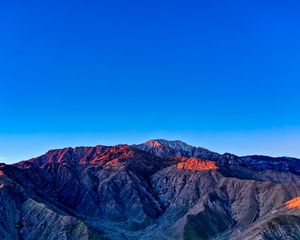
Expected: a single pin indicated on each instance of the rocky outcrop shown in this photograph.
(195, 164)
(156, 190)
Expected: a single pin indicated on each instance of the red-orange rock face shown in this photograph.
(196, 164)
(294, 203)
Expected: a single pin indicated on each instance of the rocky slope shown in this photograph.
(156, 190)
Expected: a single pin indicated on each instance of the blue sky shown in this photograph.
(223, 75)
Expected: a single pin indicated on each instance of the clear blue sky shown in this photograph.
(220, 74)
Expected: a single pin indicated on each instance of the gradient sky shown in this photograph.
(219, 74)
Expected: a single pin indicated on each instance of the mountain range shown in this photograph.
(160, 189)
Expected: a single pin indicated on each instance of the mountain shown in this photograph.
(166, 149)
(156, 190)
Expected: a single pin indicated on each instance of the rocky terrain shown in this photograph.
(160, 189)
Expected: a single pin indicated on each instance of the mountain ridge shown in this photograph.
(156, 190)
(162, 143)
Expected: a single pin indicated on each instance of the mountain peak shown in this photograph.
(166, 149)
(175, 144)
(176, 148)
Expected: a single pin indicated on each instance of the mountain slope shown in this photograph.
(157, 190)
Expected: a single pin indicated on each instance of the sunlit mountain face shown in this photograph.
(156, 190)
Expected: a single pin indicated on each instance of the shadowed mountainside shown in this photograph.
(156, 190)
